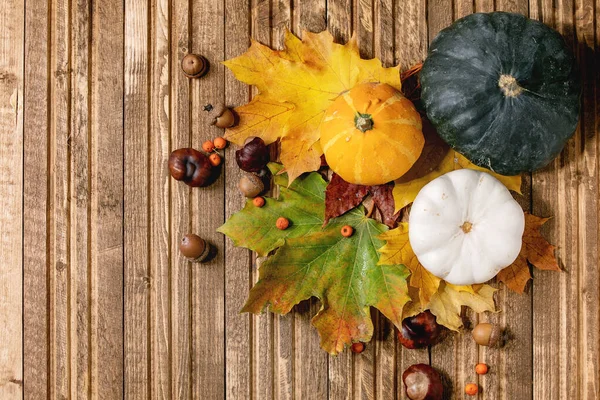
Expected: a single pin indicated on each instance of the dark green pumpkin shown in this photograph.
(503, 90)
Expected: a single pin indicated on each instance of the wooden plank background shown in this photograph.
(96, 301)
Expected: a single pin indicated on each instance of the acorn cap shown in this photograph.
(194, 65)
(214, 111)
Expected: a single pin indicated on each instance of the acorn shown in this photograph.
(194, 248)
(219, 115)
(251, 185)
(194, 66)
(486, 334)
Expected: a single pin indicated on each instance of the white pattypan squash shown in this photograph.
(465, 227)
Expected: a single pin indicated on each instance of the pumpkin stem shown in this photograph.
(509, 85)
(466, 227)
(363, 122)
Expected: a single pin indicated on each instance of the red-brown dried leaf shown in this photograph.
(384, 201)
(341, 197)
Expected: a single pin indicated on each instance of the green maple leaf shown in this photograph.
(315, 261)
(302, 203)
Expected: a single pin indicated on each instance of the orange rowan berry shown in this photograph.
(215, 159)
(347, 231)
(481, 369)
(258, 201)
(282, 223)
(220, 143)
(358, 347)
(208, 146)
(471, 389)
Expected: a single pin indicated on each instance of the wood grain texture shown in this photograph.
(207, 206)
(35, 203)
(181, 269)
(556, 298)
(79, 143)
(93, 101)
(159, 196)
(59, 207)
(137, 274)
(411, 32)
(588, 194)
(12, 37)
(106, 191)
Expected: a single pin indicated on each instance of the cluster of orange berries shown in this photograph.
(283, 223)
(211, 147)
(471, 388)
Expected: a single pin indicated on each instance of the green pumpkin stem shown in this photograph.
(363, 122)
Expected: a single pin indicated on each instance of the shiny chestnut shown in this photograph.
(254, 156)
(420, 331)
(190, 166)
(422, 382)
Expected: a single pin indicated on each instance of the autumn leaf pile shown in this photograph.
(296, 87)
(376, 266)
(312, 260)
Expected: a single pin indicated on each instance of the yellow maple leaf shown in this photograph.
(405, 192)
(296, 87)
(447, 303)
(398, 250)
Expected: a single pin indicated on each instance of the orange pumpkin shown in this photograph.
(371, 134)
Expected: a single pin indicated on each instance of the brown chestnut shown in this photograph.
(190, 166)
(220, 115)
(194, 66)
(194, 248)
(486, 334)
(420, 331)
(422, 382)
(254, 156)
(251, 185)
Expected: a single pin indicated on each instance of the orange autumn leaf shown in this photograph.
(535, 250)
(296, 86)
(516, 275)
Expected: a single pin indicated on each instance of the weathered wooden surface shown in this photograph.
(96, 301)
